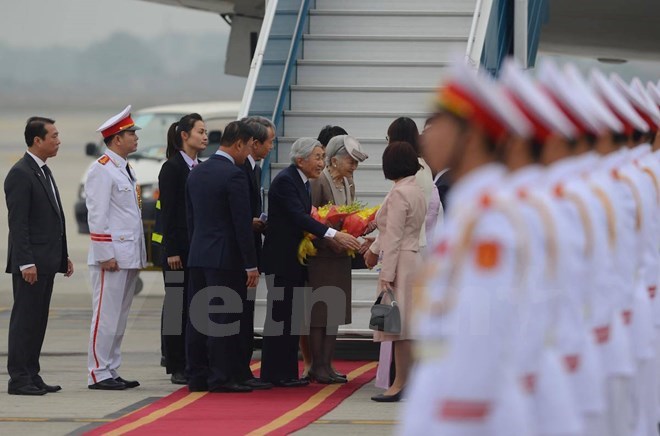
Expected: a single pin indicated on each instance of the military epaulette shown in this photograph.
(103, 159)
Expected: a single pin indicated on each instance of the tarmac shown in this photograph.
(77, 409)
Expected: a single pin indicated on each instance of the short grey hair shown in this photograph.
(335, 148)
(303, 148)
(260, 125)
(343, 145)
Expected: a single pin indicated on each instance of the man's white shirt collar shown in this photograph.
(225, 154)
(302, 176)
(37, 159)
(253, 163)
(437, 176)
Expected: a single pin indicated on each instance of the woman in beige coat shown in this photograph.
(399, 220)
(331, 267)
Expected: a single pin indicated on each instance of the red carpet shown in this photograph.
(277, 411)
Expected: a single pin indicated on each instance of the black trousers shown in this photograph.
(175, 306)
(27, 328)
(213, 353)
(279, 354)
(246, 337)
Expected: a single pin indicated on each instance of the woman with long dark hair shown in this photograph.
(404, 129)
(185, 140)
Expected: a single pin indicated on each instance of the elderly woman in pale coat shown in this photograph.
(332, 265)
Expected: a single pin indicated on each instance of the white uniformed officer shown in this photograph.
(465, 383)
(117, 249)
(541, 365)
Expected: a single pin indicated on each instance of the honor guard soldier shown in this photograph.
(468, 312)
(541, 357)
(628, 409)
(643, 327)
(117, 250)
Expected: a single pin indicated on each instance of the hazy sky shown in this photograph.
(77, 23)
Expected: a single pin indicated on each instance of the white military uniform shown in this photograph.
(115, 225)
(467, 383)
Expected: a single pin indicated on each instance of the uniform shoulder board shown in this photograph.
(103, 159)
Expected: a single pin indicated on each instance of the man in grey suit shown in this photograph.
(37, 251)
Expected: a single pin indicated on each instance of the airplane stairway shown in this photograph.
(358, 64)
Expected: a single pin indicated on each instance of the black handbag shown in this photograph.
(385, 317)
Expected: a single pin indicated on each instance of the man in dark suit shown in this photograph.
(264, 135)
(289, 207)
(442, 181)
(442, 175)
(222, 254)
(37, 251)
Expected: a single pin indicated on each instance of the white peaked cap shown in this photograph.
(650, 107)
(592, 106)
(653, 92)
(617, 102)
(118, 123)
(544, 113)
(638, 102)
(477, 97)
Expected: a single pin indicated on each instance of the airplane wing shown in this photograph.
(614, 29)
(245, 18)
(217, 6)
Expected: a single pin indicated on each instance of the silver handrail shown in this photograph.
(291, 60)
(258, 58)
(478, 32)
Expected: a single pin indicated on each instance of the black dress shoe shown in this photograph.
(257, 384)
(231, 388)
(47, 388)
(178, 378)
(382, 398)
(338, 374)
(338, 380)
(26, 390)
(129, 383)
(291, 383)
(323, 379)
(108, 385)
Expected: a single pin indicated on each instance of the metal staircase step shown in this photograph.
(368, 124)
(392, 5)
(382, 47)
(360, 98)
(370, 73)
(403, 23)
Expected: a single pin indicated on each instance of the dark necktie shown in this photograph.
(128, 170)
(53, 188)
(309, 189)
(257, 186)
(257, 174)
(50, 181)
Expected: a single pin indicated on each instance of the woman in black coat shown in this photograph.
(185, 139)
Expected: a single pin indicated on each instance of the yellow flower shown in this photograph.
(306, 249)
(366, 213)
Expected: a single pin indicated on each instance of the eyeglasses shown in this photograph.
(387, 138)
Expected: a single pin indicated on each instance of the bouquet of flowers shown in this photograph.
(352, 219)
